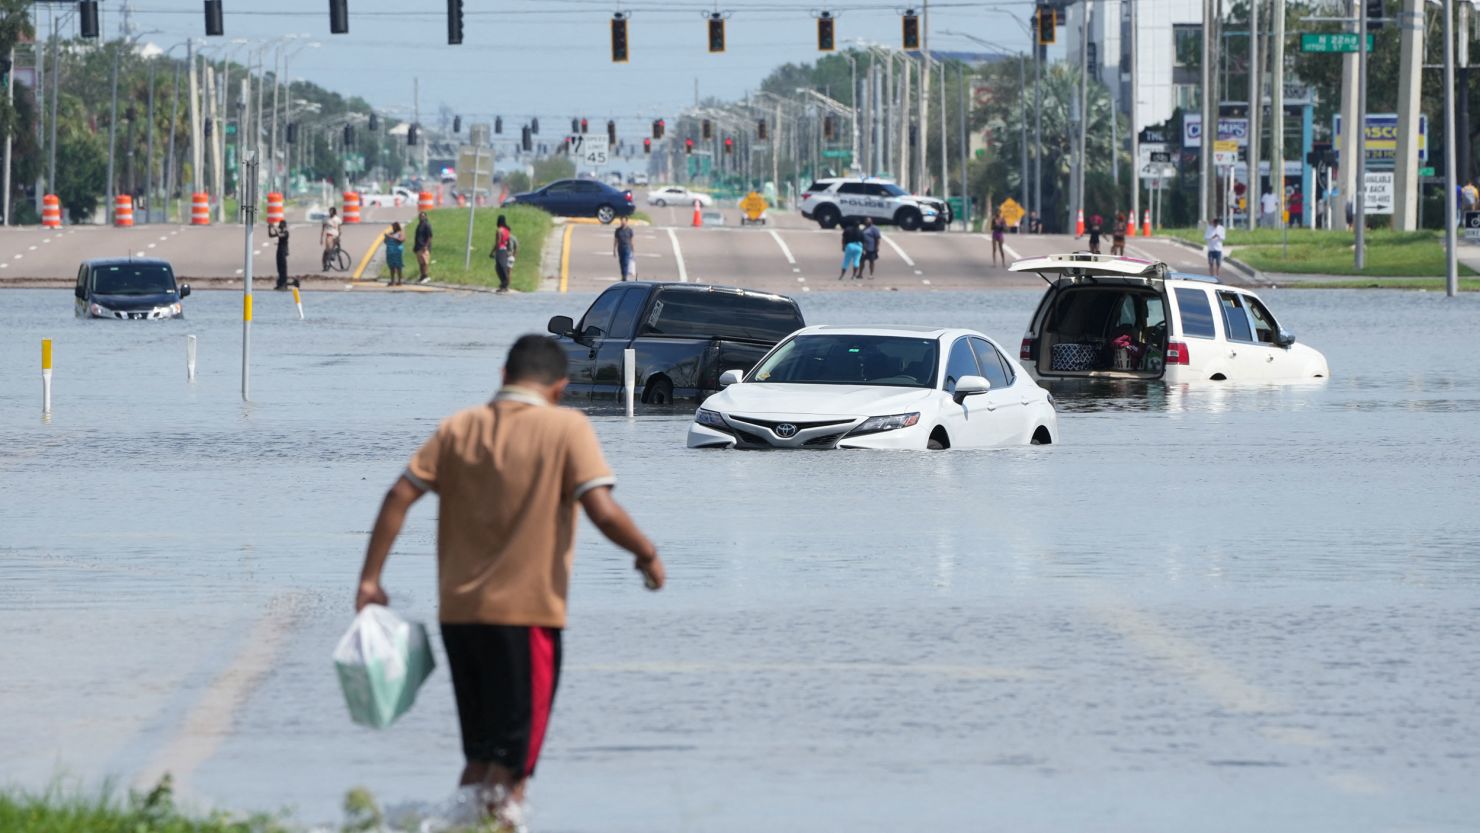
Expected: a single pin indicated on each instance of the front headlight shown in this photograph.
(710, 418)
(874, 425)
(99, 311)
(174, 309)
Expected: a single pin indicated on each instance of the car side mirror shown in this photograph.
(970, 386)
(561, 326)
(184, 290)
(1284, 338)
(731, 377)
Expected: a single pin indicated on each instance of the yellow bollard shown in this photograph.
(298, 299)
(45, 376)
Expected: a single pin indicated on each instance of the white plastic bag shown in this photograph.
(382, 661)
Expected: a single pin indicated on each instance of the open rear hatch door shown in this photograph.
(1086, 267)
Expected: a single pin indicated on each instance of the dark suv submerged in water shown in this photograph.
(128, 288)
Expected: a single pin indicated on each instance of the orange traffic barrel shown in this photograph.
(51, 211)
(351, 207)
(424, 201)
(1146, 228)
(274, 208)
(123, 211)
(462, 201)
(200, 209)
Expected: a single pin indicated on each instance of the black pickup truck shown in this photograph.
(685, 336)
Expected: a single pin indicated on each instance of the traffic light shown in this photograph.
(374, 123)
(585, 126)
(829, 129)
(647, 145)
(575, 125)
(619, 38)
(498, 125)
(457, 124)
(1374, 15)
(454, 22)
(88, 18)
(825, 40)
(611, 133)
(716, 32)
(729, 145)
(760, 130)
(706, 130)
(214, 25)
(339, 17)
(910, 30)
(1092, 53)
(526, 139)
(411, 136)
(292, 136)
(688, 146)
(1046, 31)
(349, 135)
(534, 126)
(658, 129)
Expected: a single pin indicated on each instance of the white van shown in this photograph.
(1124, 318)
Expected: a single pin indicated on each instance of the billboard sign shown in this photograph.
(1229, 129)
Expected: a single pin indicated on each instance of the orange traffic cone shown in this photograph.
(1079, 224)
(1146, 230)
(1130, 225)
(698, 218)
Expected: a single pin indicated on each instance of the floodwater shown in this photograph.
(1207, 609)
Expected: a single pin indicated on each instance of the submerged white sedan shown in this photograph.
(878, 387)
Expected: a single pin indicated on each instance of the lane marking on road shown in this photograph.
(152, 245)
(870, 669)
(33, 248)
(209, 723)
(925, 281)
(784, 250)
(565, 258)
(1011, 252)
(897, 250)
(683, 272)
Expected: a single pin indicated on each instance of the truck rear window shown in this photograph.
(1197, 313)
(722, 315)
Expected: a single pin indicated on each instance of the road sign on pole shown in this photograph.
(1331, 42)
(1472, 226)
(1378, 198)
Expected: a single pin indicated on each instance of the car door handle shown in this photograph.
(1232, 354)
(1269, 358)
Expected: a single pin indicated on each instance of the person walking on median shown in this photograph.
(623, 250)
(1117, 235)
(395, 254)
(505, 245)
(422, 246)
(329, 235)
(510, 475)
(999, 237)
(280, 231)
(1213, 236)
(872, 237)
(852, 251)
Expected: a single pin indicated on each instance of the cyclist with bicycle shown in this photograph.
(329, 236)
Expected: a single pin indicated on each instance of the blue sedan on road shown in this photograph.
(578, 198)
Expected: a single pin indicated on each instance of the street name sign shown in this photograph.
(1331, 42)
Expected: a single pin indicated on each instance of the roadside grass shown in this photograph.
(450, 226)
(1427, 284)
(57, 810)
(1390, 254)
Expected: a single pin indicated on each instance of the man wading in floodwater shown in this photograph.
(509, 475)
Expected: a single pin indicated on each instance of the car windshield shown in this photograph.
(825, 359)
(133, 279)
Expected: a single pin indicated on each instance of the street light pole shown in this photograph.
(1451, 179)
(1361, 149)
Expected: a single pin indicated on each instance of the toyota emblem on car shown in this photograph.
(786, 430)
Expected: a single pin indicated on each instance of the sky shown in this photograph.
(551, 58)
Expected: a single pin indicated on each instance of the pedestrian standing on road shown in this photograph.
(510, 475)
(1213, 236)
(872, 237)
(422, 246)
(852, 251)
(502, 254)
(280, 231)
(395, 254)
(1117, 235)
(623, 250)
(1095, 222)
(999, 237)
(329, 235)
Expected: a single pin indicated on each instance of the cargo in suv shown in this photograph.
(1125, 318)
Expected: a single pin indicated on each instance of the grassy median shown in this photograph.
(450, 232)
(1390, 254)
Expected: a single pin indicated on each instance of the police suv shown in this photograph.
(830, 201)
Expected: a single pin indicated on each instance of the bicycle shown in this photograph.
(336, 258)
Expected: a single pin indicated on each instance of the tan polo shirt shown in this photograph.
(509, 475)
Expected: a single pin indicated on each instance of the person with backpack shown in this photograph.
(505, 249)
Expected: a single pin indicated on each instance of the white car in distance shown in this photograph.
(878, 387)
(673, 195)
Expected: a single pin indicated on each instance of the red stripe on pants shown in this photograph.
(541, 692)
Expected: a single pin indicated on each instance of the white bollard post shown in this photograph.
(190, 358)
(629, 379)
(45, 376)
(298, 299)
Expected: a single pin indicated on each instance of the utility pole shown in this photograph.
(197, 153)
(945, 160)
(1451, 179)
(1361, 146)
(906, 161)
(1462, 12)
(1277, 103)
(1410, 76)
(56, 96)
(924, 129)
(1207, 185)
(1082, 112)
(9, 137)
(1350, 124)
(149, 154)
(112, 136)
(1038, 56)
(1256, 106)
(965, 151)
(1134, 121)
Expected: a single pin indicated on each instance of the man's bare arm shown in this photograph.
(387, 526)
(619, 528)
